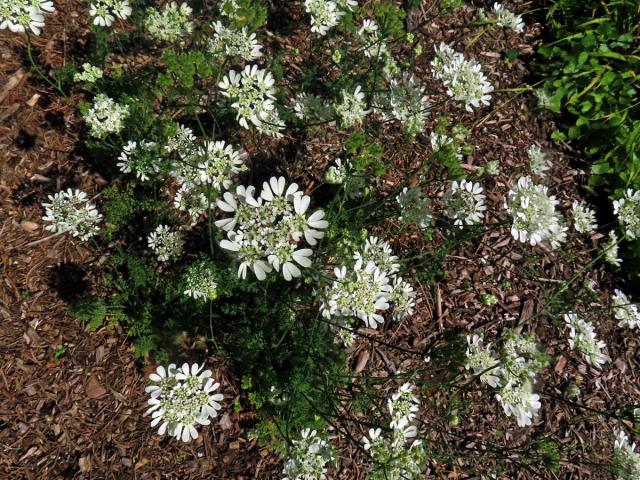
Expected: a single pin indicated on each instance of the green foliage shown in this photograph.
(549, 452)
(365, 157)
(250, 13)
(60, 351)
(390, 19)
(90, 310)
(182, 69)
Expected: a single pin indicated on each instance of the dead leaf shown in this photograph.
(93, 389)
(225, 422)
(363, 358)
(85, 464)
(29, 226)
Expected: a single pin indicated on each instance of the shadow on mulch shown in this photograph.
(68, 280)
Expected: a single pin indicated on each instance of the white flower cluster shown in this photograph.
(584, 218)
(89, 74)
(506, 19)
(404, 101)
(582, 337)
(308, 458)
(415, 208)
(464, 79)
(71, 211)
(482, 361)
(104, 12)
(464, 203)
(626, 312)
(311, 107)
(20, 15)
(538, 161)
(200, 281)
(105, 116)
(534, 214)
(364, 290)
(326, 14)
(610, 249)
(399, 455)
(230, 42)
(265, 232)
(165, 243)
(182, 398)
(626, 461)
(627, 209)
(254, 92)
(170, 24)
(441, 142)
(140, 159)
(337, 173)
(372, 42)
(352, 109)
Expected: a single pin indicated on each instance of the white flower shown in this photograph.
(379, 252)
(443, 142)
(183, 142)
(326, 14)
(89, 74)
(584, 218)
(505, 18)
(353, 109)
(191, 199)
(266, 231)
(482, 361)
(307, 458)
(71, 211)
(140, 159)
(165, 243)
(415, 209)
(582, 337)
(229, 42)
(625, 311)
(611, 250)
(464, 202)
(336, 174)
(626, 461)
(464, 79)
(312, 107)
(403, 406)
(171, 24)
(404, 101)
(627, 209)
(402, 297)
(200, 281)
(217, 164)
(519, 400)
(21, 15)
(105, 116)
(104, 12)
(538, 161)
(360, 292)
(371, 40)
(533, 213)
(254, 92)
(181, 398)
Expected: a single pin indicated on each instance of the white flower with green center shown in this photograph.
(312, 107)
(610, 250)
(141, 159)
(402, 297)
(231, 42)
(625, 311)
(170, 24)
(89, 74)
(627, 209)
(395, 457)
(518, 399)
(104, 12)
(506, 19)
(626, 461)
(538, 161)
(482, 361)
(266, 232)
(307, 457)
(200, 281)
(443, 142)
(71, 211)
(403, 406)
(218, 163)
(105, 116)
(337, 173)
(21, 15)
(533, 212)
(352, 109)
(464, 79)
(183, 142)
(415, 208)
(584, 218)
(253, 92)
(405, 102)
(464, 203)
(181, 398)
(326, 14)
(379, 252)
(373, 44)
(361, 292)
(582, 338)
(167, 245)
(191, 199)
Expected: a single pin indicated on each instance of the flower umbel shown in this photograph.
(71, 211)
